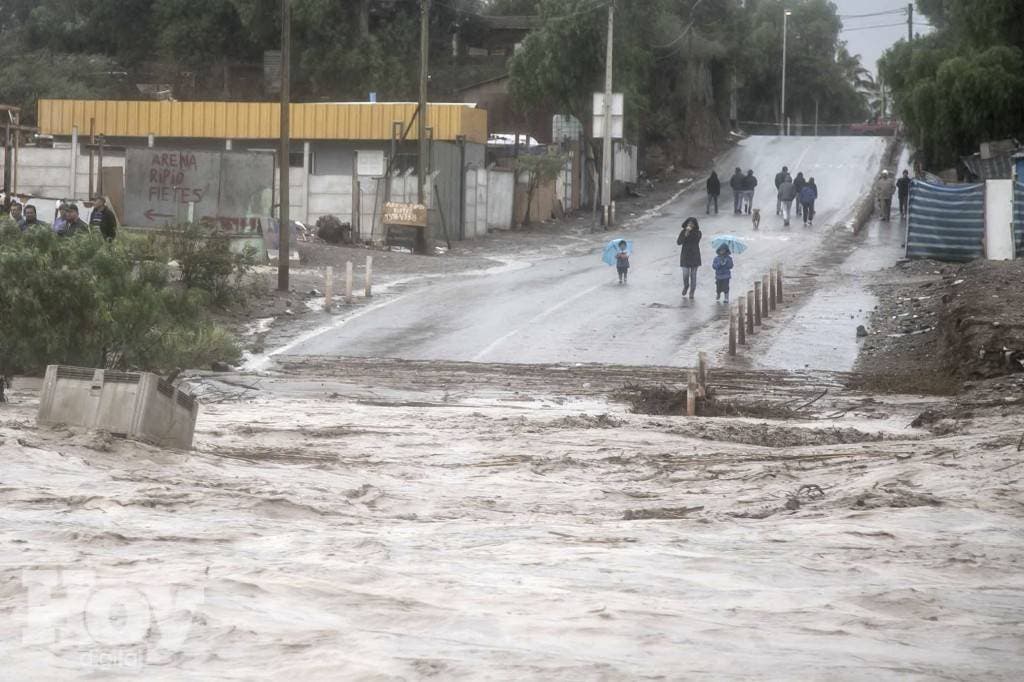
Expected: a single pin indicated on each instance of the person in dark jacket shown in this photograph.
(903, 192)
(72, 224)
(798, 182)
(749, 185)
(689, 254)
(102, 218)
(780, 178)
(714, 189)
(736, 183)
(722, 265)
(808, 195)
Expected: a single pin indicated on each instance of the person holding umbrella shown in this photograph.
(617, 253)
(689, 254)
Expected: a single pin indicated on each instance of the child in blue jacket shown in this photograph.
(722, 265)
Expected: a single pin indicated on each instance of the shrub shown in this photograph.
(85, 301)
(206, 261)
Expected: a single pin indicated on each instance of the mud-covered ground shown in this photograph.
(939, 324)
(396, 520)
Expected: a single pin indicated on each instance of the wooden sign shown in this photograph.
(412, 215)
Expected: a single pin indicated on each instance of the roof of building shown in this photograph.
(998, 167)
(256, 120)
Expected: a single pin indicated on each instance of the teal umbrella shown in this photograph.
(735, 244)
(613, 248)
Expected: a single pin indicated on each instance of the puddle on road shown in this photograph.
(823, 335)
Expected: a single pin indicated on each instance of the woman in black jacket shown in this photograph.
(689, 254)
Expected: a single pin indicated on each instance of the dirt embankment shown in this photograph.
(939, 325)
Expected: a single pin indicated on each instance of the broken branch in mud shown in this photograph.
(659, 513)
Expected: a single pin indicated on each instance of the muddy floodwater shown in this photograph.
(384, 521)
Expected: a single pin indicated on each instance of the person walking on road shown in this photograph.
(903, 192)
(798, 182)
(749, 185)
(714, 186)
(808, 195)
(722, 265)
(884, 190)
(787, 193)
(780, 178)
(622, 261)
(689, 254)
(736, 183)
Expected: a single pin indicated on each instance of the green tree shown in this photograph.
(963, 84)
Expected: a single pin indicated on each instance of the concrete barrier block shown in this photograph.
(137, 405)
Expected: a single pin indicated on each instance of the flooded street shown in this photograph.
(393, 520)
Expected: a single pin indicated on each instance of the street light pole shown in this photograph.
(782, 101)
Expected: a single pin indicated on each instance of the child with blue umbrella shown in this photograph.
(617, 253)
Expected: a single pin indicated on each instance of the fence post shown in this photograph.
(778, 284)
(732, 331)
(757, 304)
(771, 289)
(691, 395)
(702, 374)
(369, 275)
(328, 288)
(750, 313)
(764, 296)
(348, 281)
(741, 328)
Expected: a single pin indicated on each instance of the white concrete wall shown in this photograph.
(330, 195)
(999, 243)
(46, 172)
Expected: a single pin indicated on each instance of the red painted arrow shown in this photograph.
(152, 215)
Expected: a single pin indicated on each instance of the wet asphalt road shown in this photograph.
(572, 309)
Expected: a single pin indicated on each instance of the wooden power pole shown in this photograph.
(606, 154)
(422, 163)
(284, 153)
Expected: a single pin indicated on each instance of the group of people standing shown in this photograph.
(801, 190)
(886, 187)
(788, 190)
(68, 222)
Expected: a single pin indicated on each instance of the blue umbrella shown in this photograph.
(613, 248)
(735, 244)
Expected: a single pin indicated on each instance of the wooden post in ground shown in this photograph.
(771, 289)
(732, 331)
(778, 284)
(328, 288)
(750, 313)
(764, 296)
(757, 304)
(702, 374)
(741, 328)
(691, 395)
(348, 282)
(369, 275)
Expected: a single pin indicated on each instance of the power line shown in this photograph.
(872, 14)
(865, 28)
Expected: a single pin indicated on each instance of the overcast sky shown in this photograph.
(871, 42)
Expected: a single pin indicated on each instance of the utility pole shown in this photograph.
(421, 165)
(910, 22)
(782, 99)
(284, 221)
(606, 157)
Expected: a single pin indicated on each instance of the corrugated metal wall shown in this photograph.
(255, 120)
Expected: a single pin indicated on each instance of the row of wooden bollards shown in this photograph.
(758, 304)
(349, 282)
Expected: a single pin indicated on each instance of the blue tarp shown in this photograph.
(946, 222)
(1018, 217)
